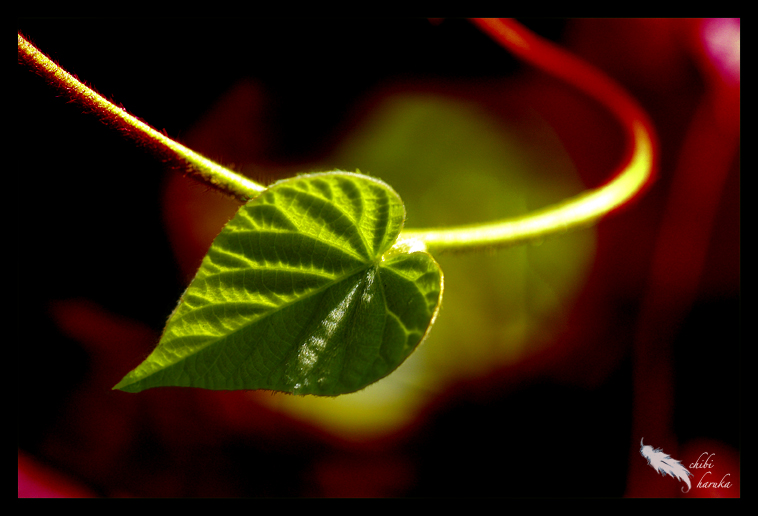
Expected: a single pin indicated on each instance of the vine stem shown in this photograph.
(200, 167)
(635, 172)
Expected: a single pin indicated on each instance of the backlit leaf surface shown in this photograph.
(297, 295)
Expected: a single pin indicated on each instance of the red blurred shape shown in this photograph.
(38, 481)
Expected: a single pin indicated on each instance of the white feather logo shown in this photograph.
(665, 465)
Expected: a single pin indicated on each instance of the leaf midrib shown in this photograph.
(212, 342)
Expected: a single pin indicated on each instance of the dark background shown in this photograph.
(88, 227)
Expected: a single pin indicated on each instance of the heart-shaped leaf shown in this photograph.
(298, 293)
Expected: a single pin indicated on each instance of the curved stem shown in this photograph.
(634, 173)
(201, 168)
(584, 210)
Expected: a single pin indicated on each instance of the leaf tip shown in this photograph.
(127, 384)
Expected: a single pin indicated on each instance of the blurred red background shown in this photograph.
(651, 347)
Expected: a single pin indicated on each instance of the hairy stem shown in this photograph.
(201, 168)
(634, 173)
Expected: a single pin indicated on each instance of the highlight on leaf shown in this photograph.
(301, 292)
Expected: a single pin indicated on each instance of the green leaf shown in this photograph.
(298, 293)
